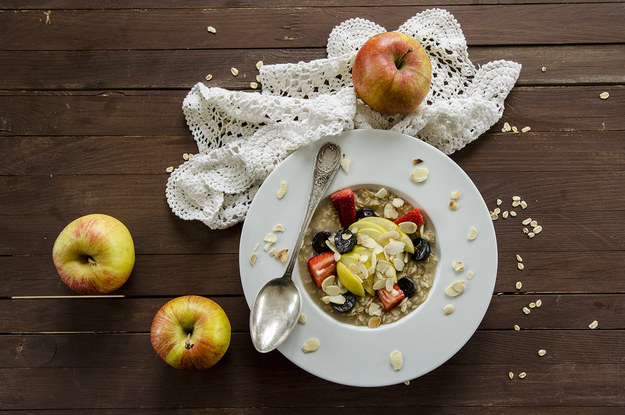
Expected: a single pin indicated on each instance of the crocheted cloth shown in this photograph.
(242, 136)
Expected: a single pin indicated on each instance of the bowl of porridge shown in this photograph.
(369, 256)
(400, 278)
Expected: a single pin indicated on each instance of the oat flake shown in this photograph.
(311, 345)
(396, 360)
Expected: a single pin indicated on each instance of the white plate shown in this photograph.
(359, 356)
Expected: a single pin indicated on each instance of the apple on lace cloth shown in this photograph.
(241, 136)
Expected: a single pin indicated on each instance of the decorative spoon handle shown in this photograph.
(326, 165)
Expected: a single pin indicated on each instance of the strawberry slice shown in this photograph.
(321, 267)
(388, 299)
(343, 202)
(412, 216)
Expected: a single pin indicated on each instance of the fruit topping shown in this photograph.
(319, 241)
(343, 202)
(407, 286)
(349, 279)
(364, 212)
(412, 216)
(350, 301)
(391, 298)
(321, 267)
(344, 240)
(421, 249)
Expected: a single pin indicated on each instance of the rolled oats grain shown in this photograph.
(453, 205)
(522, 375)
(209, 77)
(499, 202)
(539, 303)
(448, 309)
(520, 266)
(283, 255)
(506, 128)
(470, 274)
(455, 195)
(525, 129)
(234, 71)
(253, 259)
(511, 375)
(518, 258)
(519, 285)
(517, 328)
(169, 169)
(211, 29)
(544, 69)
(281, 190)
(604, 95)
(526, 310)
(512, 213)
(472, 233)
(419, 175)
(374, 322)
(302, 318)
(259, 65)
(254, 85)
(526, 221)
(593, 325)
(542, 352)
(457, 266)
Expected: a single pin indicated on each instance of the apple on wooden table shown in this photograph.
(191, 332)
(94, 254)
(392, 73)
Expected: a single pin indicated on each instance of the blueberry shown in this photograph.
(407, 286)
(319, 241)
(364, 212)
(344, 240)
(421, 249)
(350, 301)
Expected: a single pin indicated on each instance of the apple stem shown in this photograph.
(91, 261)
(401, 58)
(187, 343)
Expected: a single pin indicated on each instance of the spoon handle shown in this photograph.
(326, 165)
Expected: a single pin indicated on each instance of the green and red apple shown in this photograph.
(392, 73)
(94, 254)
(191, 332)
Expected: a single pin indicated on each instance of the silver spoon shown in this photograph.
(278, 304)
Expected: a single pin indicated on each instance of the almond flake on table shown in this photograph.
(472, 233)
(345, 162)
(311, 345)
(211, 29)
(604, 95)
(542, 352)
(259, 65)
(593, 325)
(209, 77)
(278, 228)
(234, 71)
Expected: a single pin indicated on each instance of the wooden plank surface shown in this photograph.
(90, 117)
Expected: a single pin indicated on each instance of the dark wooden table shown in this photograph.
(90, 118)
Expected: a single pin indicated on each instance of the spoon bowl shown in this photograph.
(278, 304)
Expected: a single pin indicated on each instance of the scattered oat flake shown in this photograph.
(169, 169)
(512, 213)
(526, 310)
(493, 216)
(511, 375)
(519, 285)
(374, 322)
(273, 252)
(514, 129)
(520, 266)
(270, 237)
(417, 161)
(539, 303)
(499, 202)
(506, 128)
(537, 229)
(518, 258)
(543, 69)
(407, 383)
(345, 162)
(522, 375)
(593, 325)
(185, 156)
(258, 79)
(396, 360)
(311, 345)
(470, 274)
(448, 309)
(259, 65)
(523, 204)
(453, 205)
(302, 318)
(209, 77)
(505, 214)
(531, 235)
(516, 198)
(281, 190)
(455, 289)
(211, 29)
(419, 175)
(253, 85)
(455, 195)
(234, 71)
(517, 328)
(278, 228)
(542, 352)
(253, 259)
(532, 305)
(525, 129)
(256, 246)
(472, 233)
(604, 95)
(526, 221)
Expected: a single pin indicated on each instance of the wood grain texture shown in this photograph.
(559, 311)
(78, 373)
(296, 27)
(131, 113)
(134, 69)
(218, 274)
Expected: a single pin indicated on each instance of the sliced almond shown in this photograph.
(270, 238)
(302, 318)
(457, 266)
(283, 255)
(397, 202)
(311, 345)
(472, 233)
(419, 175)
(396, 360)
(448, 309)
(390, 212)
(281, 190)
(234, 71)
(382, 193)
(453, 205)
(337, 299)
(604, 95)
(259, 65)
(253, 259)
(345, 164)
(455, 289)
(455, 195)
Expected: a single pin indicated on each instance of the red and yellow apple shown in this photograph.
(94, 254)
(392, 73)
(191, 332)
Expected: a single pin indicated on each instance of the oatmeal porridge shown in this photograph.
(369, 257)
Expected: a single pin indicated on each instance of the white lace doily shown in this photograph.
(242, 136)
